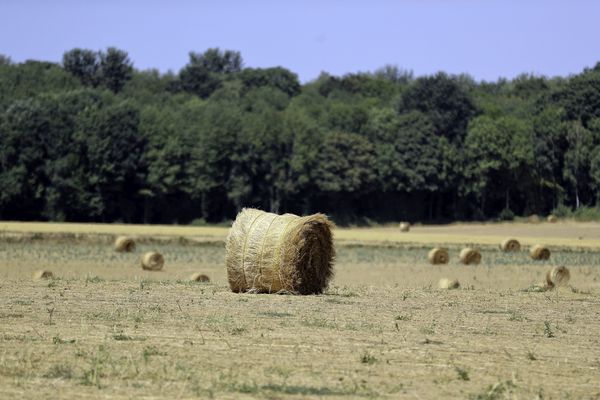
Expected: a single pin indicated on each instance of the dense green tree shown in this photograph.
(83, 64)
(115, 68)
(94, 139)
(113, 160)
(218, 61)
(277, 77)
(580, 97)
(408, 151)
(444, 101)
(595, 172)
(344, 173)
(577, 160)
(501, 157)
(5, 60)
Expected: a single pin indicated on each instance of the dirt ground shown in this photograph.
(106, 329)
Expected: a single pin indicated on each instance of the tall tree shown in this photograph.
(444, 101)
(116, 68)
(83, 64)
(500, 153)
(577, 159)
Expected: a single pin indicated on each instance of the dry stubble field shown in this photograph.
(105, 328)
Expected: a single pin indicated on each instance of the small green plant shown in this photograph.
(91, 376)
(462, 373)
(124, 337)
(93, 279)
(58, 340)
(497, 391)
(275, 314)
(548, 331)
(59, 371)
(238, 331)
(150, 351)
(428, 330)
(368, 358)
(515, 316)
(531, 355)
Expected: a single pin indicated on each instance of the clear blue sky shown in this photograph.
(486, 39)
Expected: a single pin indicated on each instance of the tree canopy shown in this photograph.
(95, 139)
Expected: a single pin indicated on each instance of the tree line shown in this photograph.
(94, 139)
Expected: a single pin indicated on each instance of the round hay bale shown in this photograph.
(470, 256)
(404, 226)
(438, 255)
(449, 284)
(198, 277)
(552, 218)
(540, 252)
(558, 276)
(153, 261)
(270, 253)
(533, 219)
(124, 244)
(510, 245)
(42, 274)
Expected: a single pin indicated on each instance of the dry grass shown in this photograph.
(108, 329)
(565, 234)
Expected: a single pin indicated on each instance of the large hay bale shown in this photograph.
(199, 277)
(470, 256)
(438, 255)
(533, 219)
(510, 245)
(552, 218)
(124, 244)
(42, 274)
(558, 276)
(153, 261)
(449, 284)
(404, 226)
(270, 253)
(540, 252)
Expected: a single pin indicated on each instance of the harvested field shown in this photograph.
(106, 328)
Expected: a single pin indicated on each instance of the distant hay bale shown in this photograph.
(124, 244)
(552, 218)
(198, 277)
(438, 255)
(470, 256)
(540, 252)
(270, 253)
(153, 261)
(42, 274)
(533, 219)
(446, 283)
(558, 276)
(404, 226)
(510, 245)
